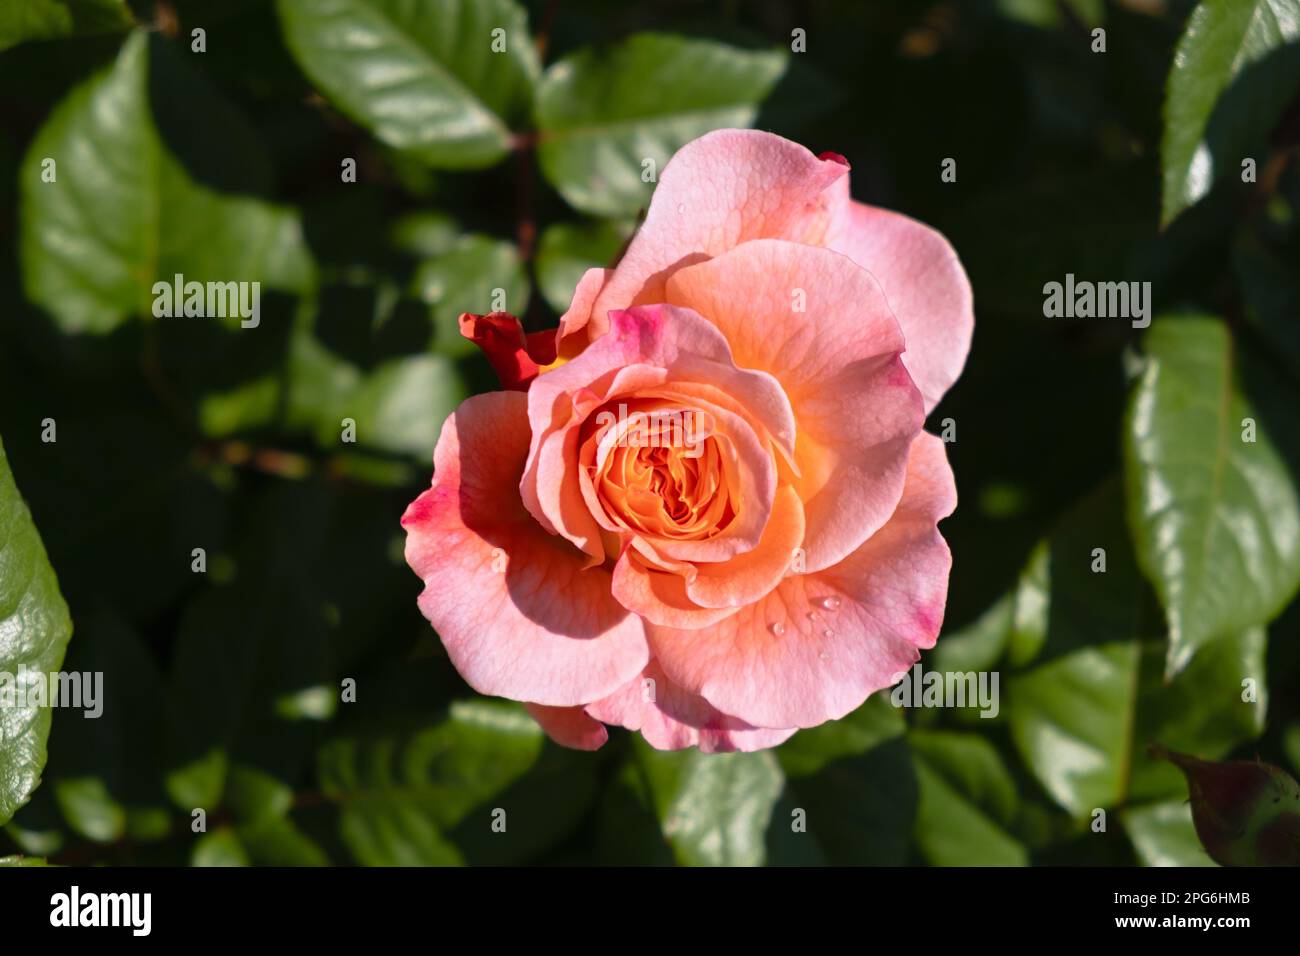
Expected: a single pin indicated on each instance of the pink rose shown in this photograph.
(713, 519)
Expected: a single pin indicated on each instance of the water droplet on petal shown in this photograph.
(830, 603)
(812, 616)
(828, 633)
(777, 628)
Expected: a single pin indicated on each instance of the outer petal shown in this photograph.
(725, 188)
(670, 718)
(926, 287)
(838, 360)
(570, 726)
(820, 644)
(570, 337)
(541, 629)
(501, 338)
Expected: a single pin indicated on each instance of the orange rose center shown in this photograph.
(662, 471)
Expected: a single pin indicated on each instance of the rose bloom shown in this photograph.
(769, 557)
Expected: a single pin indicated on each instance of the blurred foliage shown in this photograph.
(483, 171)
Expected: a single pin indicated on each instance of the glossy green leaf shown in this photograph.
(479, 274)
(123, 214)
(968, 802)
(611, 118)
(1236, 67)
(22, 861)
(713, 809)
(1163, 834)
(34, 632)
(567, 250)
(422, 76)
(1092, 698)
(25, 20)
(1214, 515)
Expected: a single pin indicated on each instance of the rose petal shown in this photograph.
(539, 628)
(570, 726)
(838, 362)
(725, 188)
(670, 718)
(820, 644)
(571, 335)
(501, 338)
(926, 287)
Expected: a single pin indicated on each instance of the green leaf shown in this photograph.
(253, 795)
(852, 784)
(1215, 517)
(567, 250)
(22, 861)
(1163, 834)
(423, 234)
(263, 834)
(37, 828)
(278, 842)
(400, 406)
(1051, 14)
(50, 19)
(980, 644)
(1092, 697)
(1218, 702)
(968, 802)
(1234, 71)
(467, 278)
(34, 632)
(422, 77)
(221, 847)
(123, 214)
(604, 113)
(714, 809)
(402, 791)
